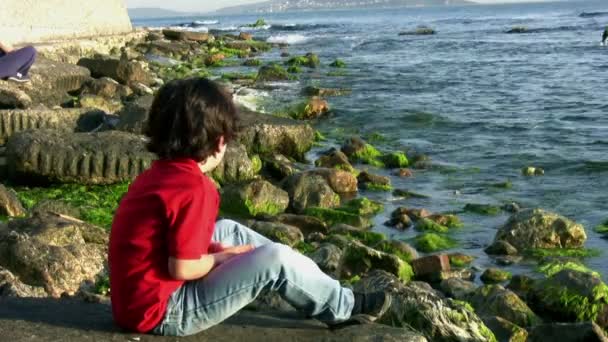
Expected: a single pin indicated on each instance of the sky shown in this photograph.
(203, 6)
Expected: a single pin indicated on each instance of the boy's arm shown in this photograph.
(182, 269)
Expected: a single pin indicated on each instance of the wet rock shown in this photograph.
(59, 254)
(324, 92)
(425, 224)
(279, 232)
(307, 224)
(236, 166)
(420, 31)
(532, 171)
(504, 330)
(501, 247)
(279, 166)
(9, 203)
(567, 332)
(141, 89)
(518, 29)
(495, 300)
(371, 181)
(86, 158)
(363, 206)
(495, 275)
(463, 273)
(359, 259)
(214, 59)
(272, 73)
(537, 228)
(11, 286)
(11, 96)
(100, 103)
(431, 242)
(460, 260)
(572, 296)
(174, 49)
(413, 213)
(188, 35)
(418, 306)
(340, 181)
(427, 266)
(339, 216)
(313, 108)
(400, 220)
(265, 134)
(402, 249)
(106, 87)
(310, 191)
(405, 173)
(309, 60)
(395, 160)
(522, 285)
(328, 257)
(482, 209)
(334, 159)
(457, 288)
(358, 150)
(257, 197)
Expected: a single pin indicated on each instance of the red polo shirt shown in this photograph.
(169, 210)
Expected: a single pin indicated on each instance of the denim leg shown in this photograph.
(205, 302)
(232, 233)
(17, 61)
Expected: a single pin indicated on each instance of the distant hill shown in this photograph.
(309, 5)
(141, 13)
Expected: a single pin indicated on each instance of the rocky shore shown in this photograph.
(72, 142)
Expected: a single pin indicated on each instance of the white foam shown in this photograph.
(290, 39)
(193, 29)
(250, 98)
(258, 28)
(206, 22)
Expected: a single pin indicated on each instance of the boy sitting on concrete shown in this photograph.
(174, 270)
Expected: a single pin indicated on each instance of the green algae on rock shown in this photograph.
(552, 267)
(272, 72)
(398, 248)
(495, 300)
(448, 220)
(495, 275)
(294, 69)
(363, 206)
(279, 232)
(359, 259)
(338, 63)
(482, 209)
(309, 60)
(395, 160)
(431, 242)
(254, 198)
(426, 225)
(460, 260)
(336, 216)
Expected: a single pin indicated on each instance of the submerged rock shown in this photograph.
(86, 158)
(495, 300)
(537, 228)
(52, 252)
(255, 198)
(423, 309)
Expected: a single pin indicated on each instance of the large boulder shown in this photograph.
(59, 254)
(188, 35)
(87, 158)
(12, 286)
(537, 228)
(572, 296)
(51, 81)
(255, 198)
(64, 120)
(310, 191)
(419, 307)
(236, 166)
(495, 300)
(339, 181)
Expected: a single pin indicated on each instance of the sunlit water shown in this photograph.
(480, 102)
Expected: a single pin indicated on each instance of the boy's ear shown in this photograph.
(220, 143)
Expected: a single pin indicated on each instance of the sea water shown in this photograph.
(480, 102)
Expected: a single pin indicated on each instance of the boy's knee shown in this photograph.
(30, 51)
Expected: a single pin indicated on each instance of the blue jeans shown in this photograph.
(17, 61)
(203, 303)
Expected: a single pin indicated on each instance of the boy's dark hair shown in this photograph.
(188, 117)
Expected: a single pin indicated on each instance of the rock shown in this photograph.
(460, 260)
(362, 206)
(188, 35)
(100, 103)
(482, 209)
(340, 181)
(405, 173)
(86, 158)
(339, 216)
(427, 266)
(495, 275)
(245, 36)
(174, 49)
(134, 116)
(522, 285)
(9, 203)
(457, 288)
(414, 213)
(214, 59)
(420, 31)
(501, 247)
(358, 150)
(313, 108)
(567, 332)
(131, 72)
(279, 166)
(56, 207)
(401, 249)
(64, 120)
(56, 253)
(11, 96)
(141, 89)
(400, 220)
(572, 296)
(310, 191)
(307, 224)
(324, 92)
(518, 29)
(395, 160)
(11, 286)
(418, 306)
(495, 300)
(310, 60)
(447, 220)
(279, 232)
(101, 66)
(51, 81)
(328, 257)
(504, 330)
(359, 259)
(425, 224)
(236, 166)
(431, 242)
(265, 134)
(536, 228)
(255, 198)
(271, 73)
(461, 273)
(334, 159)
(371, 181)
(105, 87)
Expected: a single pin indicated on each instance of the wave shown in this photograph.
(297, 27)
(524, 29)
(290, 39)
(593, 14)
(199, 23)
(186, 28)
(258, 28)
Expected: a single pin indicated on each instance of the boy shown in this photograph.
(174, 270)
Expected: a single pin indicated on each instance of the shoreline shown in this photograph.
(267, 157)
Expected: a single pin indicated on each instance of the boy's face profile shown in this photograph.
(214, 160)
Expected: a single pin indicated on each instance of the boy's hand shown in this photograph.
(230, 252)
(216, 247)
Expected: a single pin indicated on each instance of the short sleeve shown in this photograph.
(188, 237)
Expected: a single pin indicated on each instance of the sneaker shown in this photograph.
(368, 308)
(19, 78)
